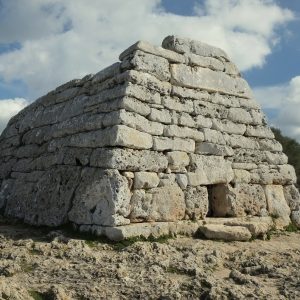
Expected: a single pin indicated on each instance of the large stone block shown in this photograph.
(206, 170)
(196, 200)
(292, 197)
(183, 132)
(178, 160)
(203, 78)
(174, 103)
(213, 149)
(128, 159)
(277, 205)
(185, 45)
(228, 126)
(158, 51)
(149, 63)
(158, 204)
(145, 180)
(173, 144)
(102, 198)
(238, 201)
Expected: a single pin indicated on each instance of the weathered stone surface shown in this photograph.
(225, 233)
(128, 160)
(196, 200)
(178, 160)
(102, 198)
(228, 126)
(173, 144)
(185, 45)
(206, 170)
(158, 51)
(295, 217)
(292, 197)
(198, 77)
(158, 204)
(149, 63)
(151, 138)
(277, 205)
(145, 180)
(183, 132)
(213, 149)
(238, 201)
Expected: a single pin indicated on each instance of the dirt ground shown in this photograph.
(45, 264)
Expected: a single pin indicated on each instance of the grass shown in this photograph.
(27, 267)
(36, 295)
(291, 228)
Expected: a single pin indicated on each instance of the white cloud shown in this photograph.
(8, 108)
(66, 39)
(285, 100)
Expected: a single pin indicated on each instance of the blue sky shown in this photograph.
(47, 42)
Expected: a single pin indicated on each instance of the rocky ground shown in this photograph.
(44, 264)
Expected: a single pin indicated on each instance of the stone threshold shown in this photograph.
(227, 229)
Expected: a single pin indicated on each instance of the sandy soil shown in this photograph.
(45, 264)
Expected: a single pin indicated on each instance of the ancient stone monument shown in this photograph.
(165, 141)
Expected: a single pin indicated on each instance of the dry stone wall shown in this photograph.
(168, 133)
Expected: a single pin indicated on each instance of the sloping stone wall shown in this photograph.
(166, 134)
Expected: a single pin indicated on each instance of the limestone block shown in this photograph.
(213, 136)
(128, 159)
(225, 100)
(173, 144)
(239, 115)
(203, 122)
(259, 131)
(118, 135)
(183, 132)
(147, 80)
(249, 156)
(206, 170)
(258, 117)
(269, 145)
(133, 120)
(277, 205)
(292, 197)
(7, 167)
(196, 200)
(187, 93)
(295, 217)
(186, 120)
(231, 69)
(225, 233)
(107, 73)
(46, 202)
(243, 199)
(182, 180)
(160, 115)
(76, 156)
(5, 191)
(278, 158)
(13, 141)
(210, 110)
(158, 51)
(228, 126)
(205, 62)
(102, 198)
(149, 63)
(241, 176)
(174, 103)
(167, 179)
(185, 45)
(239, 141)
(244, 166)
(158, 204)
(135, 105)
(198, 77)
(174, 117)
(213, 149)
(178, 160)
(145, 180)
(249, 103)
(142, 93)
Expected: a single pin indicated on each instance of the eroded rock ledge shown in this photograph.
(167, 134)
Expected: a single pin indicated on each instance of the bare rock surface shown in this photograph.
(58, 265)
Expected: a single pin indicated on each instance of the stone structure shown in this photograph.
(167, 134)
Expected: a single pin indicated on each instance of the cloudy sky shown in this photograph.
(45, 43)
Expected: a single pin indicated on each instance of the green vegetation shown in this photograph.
(36, 295)
(292, 149)
(291, 228)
